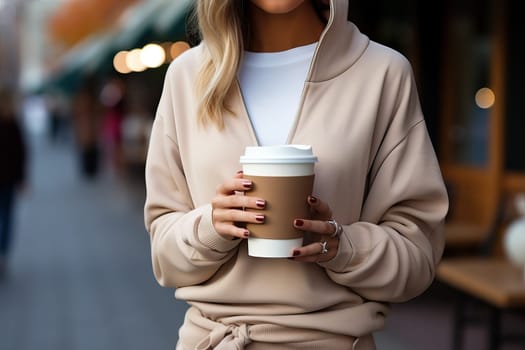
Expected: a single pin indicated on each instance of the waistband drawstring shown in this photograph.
(222, 337)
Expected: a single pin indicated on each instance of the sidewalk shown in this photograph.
(80, 275)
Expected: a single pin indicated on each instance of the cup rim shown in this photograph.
(293, 154)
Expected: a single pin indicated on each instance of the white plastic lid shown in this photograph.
(291, 154)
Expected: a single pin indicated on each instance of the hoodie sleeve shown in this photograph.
(185, 248)
(391, 254)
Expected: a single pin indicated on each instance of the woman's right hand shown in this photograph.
(228, 216)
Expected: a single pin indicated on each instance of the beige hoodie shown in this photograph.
(377, 170)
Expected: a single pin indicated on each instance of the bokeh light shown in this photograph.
(134, 62)
(152, 55)
(119, 62)
(177, 48)
(485, 98)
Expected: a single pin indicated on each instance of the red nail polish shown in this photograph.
(296, 253)
(312, 200)
(247, 184)
(246, 233)
(260, 203)
(259, 218)
(299, 222)
(240, 172)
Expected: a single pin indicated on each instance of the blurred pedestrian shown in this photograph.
(112, 99)
(58, 116)
(86, 119)
(13, 174)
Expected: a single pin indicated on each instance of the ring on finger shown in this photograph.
(338, 229)
(324, 249)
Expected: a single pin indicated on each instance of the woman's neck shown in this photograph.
(278, 32)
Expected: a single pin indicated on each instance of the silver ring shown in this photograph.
(323, 244)
(338, 229)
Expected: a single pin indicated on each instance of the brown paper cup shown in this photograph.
(284, 177)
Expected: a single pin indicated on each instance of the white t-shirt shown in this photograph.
(271, 85)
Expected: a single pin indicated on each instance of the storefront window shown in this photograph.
(471, 51)
(515, 92)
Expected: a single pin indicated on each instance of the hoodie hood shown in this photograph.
(340, 46)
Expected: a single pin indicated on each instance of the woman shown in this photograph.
(377, 178)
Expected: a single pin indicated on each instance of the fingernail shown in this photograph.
(240, 172)
(312, 199)
(246, 233)
(260, 203)
(247, 184)
(296, 253)
(259, 218)
(298, 222)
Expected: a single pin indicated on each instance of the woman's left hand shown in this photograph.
(328, 234)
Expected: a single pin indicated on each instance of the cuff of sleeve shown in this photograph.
(343, 257)
(209, 236)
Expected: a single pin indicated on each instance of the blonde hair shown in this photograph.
(221, 25)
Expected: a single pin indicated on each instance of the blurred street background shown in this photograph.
(84, 78)
(80, 273)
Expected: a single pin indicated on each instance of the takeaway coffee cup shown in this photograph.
(284, 177)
